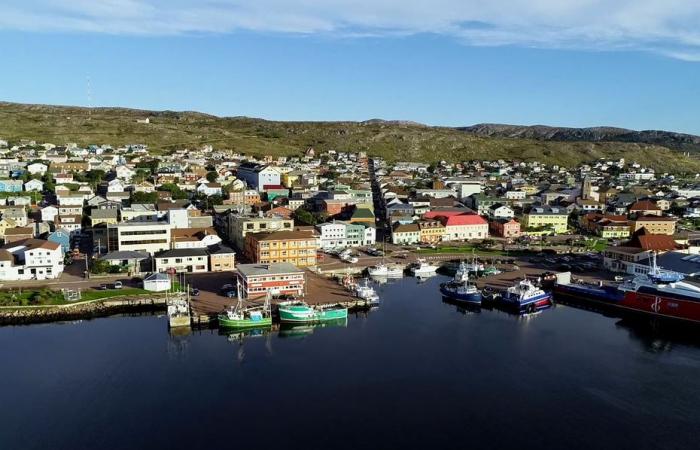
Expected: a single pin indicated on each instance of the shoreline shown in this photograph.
(34, 314)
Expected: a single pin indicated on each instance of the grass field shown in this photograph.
(169, 130)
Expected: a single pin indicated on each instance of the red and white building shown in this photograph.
(464, 227)
(277, 278)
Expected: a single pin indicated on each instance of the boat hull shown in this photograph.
(296, 314)
(458, 297)
(225, 322)
(648, 303)
(658, 305)
(533, 304)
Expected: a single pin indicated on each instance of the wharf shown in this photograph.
(320, 290)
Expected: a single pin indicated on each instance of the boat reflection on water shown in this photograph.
(463, 308)
(423, 277)
(380, 279)
(295, 330)
(657, 335)
(241, 334)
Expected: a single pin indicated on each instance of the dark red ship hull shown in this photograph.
(660, 305)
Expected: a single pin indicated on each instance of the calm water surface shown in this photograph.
(417, 373)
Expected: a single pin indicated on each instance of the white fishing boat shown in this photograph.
(383, 270)
(178, 311)
(423, 267)
(366, 292)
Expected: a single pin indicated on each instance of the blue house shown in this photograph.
(61, 237)
(11, 185)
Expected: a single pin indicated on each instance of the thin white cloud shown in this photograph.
(669, 27)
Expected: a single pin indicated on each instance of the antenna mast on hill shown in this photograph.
(89, 97)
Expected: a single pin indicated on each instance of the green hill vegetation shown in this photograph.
(169, 130)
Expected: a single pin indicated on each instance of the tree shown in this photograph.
(305, 216)
(174, 190)
(100, 266)
(212, 176)
(144, 197)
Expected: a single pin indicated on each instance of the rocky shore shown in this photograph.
(79, 311)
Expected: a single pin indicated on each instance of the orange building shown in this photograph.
(294, 247)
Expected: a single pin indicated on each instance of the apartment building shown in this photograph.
(294, 247)
(240, 226)
(344, 234)
(557, 219)
(654, 225)
(149, 237)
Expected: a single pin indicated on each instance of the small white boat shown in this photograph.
(366, 292)
(423, 267)
(382, 270)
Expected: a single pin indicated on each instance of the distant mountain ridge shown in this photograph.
(395, 140)
(670, 139)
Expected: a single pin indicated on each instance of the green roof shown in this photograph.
(362, 213)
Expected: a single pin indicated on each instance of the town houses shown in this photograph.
(206, 209)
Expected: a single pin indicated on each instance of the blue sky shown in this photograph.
(445, 67)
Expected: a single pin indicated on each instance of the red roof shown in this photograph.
(436, 214)
(465, 219)
(273, 186)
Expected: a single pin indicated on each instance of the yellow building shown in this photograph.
(556, 219)
(4, 225)
(654, 225)
(431, 231)
(294, 247)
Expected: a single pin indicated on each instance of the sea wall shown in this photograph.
(80, 310)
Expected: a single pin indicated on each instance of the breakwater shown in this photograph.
(25, 315)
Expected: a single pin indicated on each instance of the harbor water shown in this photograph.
(415, 373)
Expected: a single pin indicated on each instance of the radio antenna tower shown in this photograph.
(89, 97)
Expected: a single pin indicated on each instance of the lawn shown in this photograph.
(597, 245)
(100, 295)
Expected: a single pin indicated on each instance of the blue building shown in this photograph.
(258, 176)
(61, 237)
(11, 185)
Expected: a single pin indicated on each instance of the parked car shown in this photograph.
(118, 285)
(194, 292)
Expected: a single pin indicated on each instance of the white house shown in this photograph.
(31, 259)
(209, 189)
(37, 168)
(194, 237)
(332, 235)
(115, 185)
(499, 211)
(70, 223)
(125, 173)
(71, 198)
(516, 195)
(34, 186)
(48, 213)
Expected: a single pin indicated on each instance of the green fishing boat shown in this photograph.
(242, 316)
(300, 312)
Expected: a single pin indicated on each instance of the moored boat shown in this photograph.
(301, 312)
(366, 292)
(658, 292)
(525, 297)
(423, 267)
(241, 316)
(383, 270)
(461, 292)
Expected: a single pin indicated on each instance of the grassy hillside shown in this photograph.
(394, 141)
